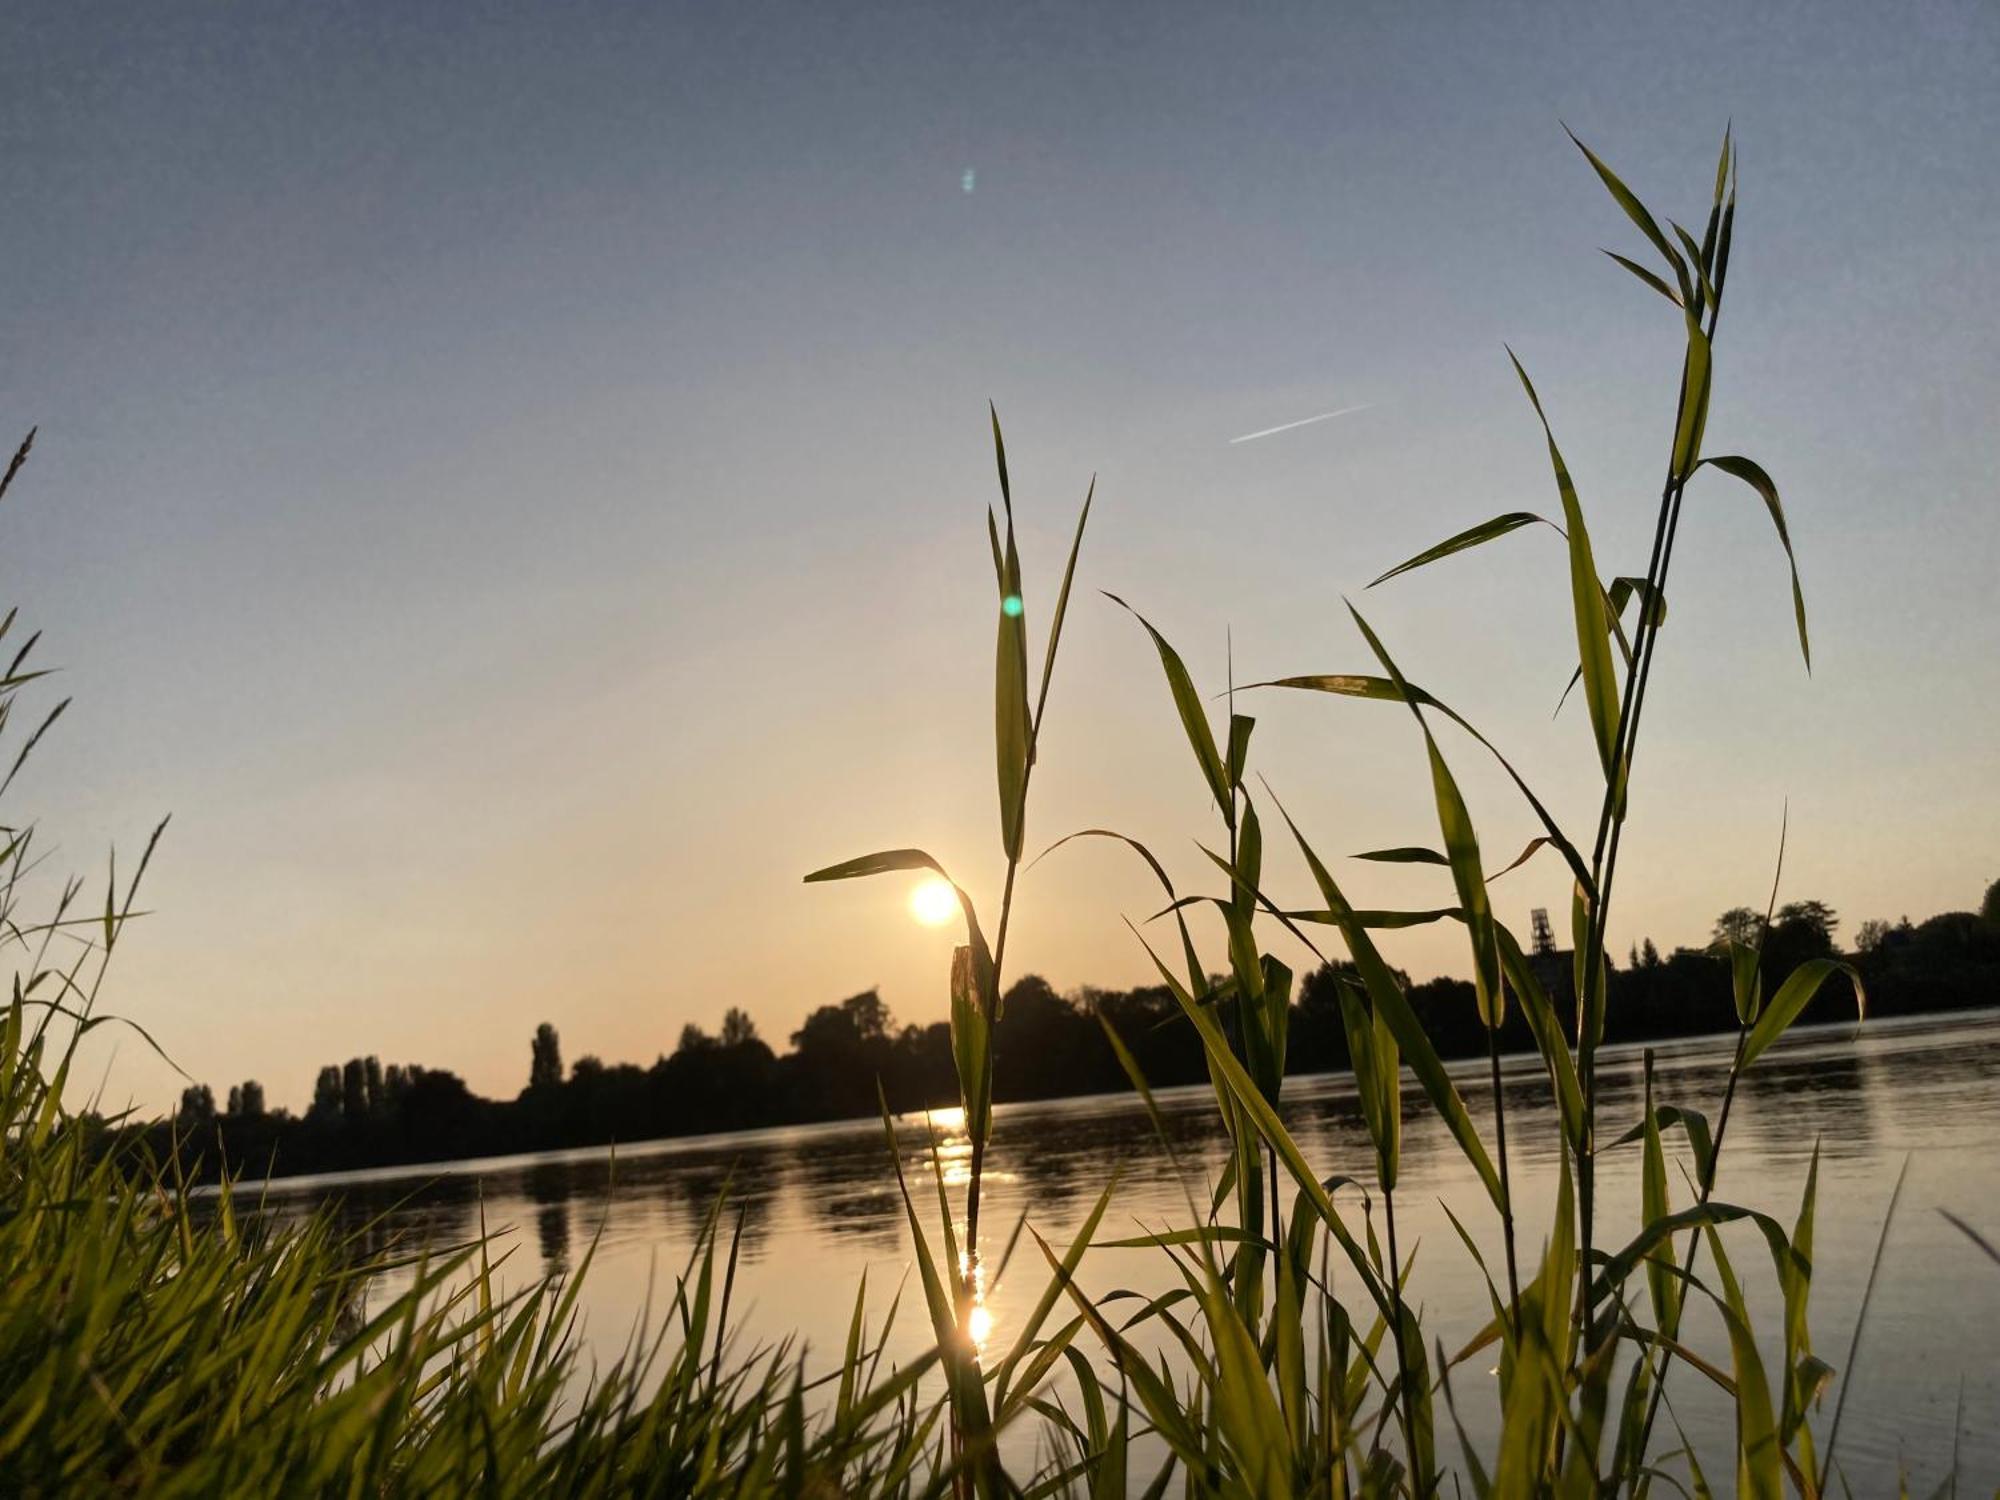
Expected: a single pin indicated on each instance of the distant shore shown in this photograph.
(367, 1117)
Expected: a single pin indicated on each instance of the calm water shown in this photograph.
(821, 1208)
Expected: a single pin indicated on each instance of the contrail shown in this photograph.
(1325, 416)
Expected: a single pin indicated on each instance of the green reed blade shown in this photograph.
(1753, 475)
(1654, 1204)
(1382, 690)
(1406, 855)
(1194, 718)
(971, 1042)
(1534, 846)
(1472, 536)
(1760, 1470)
(1600, 680)
(1197, 980)
(1793, 996)
(1648, 277)
(1461, 845)
(1389, 1002)
(1011, 728)
(1056, 620)
(1693, 418)
(1638, 213)
(1251, 1100)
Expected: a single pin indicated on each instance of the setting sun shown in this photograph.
(934, 902)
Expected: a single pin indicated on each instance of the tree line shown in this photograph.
(1047, 1045)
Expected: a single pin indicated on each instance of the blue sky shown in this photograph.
(510, 479)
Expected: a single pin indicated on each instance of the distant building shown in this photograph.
(1554, 967)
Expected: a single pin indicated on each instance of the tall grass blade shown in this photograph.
(1382, 690)
(1389, 1002)
(1472, 536)
(1793, 996)
(1194, 718)
(1753, 475)
(1600, 683)
(1461, 845)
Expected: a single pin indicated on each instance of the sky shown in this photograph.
(511, 479)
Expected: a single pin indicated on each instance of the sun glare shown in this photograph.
(934, 902)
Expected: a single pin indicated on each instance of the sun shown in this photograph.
(934, 902)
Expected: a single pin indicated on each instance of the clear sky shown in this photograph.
(511, 477)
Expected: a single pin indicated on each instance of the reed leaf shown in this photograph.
(1760, 1469)
(1472, 536)
(1408, 855)
(1194, 718)
(1388, 1001)
(1382, 690)
(1753, 475)
(1461, 844)
(1793, 996)
(1587, 593)
(1638, 213)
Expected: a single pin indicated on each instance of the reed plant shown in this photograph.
(1286, 1397)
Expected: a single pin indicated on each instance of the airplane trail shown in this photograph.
(1325, 416)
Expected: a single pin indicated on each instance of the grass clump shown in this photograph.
(150, 1348)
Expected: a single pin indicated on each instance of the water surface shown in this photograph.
(820, 1208)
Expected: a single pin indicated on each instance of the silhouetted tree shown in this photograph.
(1043, 1047)
(197, 1104)
(1800, 930)
(354, 1090)
(1649, 956)
(859, 1018)
(326, 1094)
(737, 1027)
(249, 1097)
(1739, 925)
(840, 1054)
(1814, 918)
(545, 1069)
(1989, 908)
(1871, 934)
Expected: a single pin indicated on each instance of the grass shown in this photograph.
(144, 1350)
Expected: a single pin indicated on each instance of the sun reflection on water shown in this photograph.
(979, 1327)
(976, 1318)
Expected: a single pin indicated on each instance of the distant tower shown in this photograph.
(1545, 937)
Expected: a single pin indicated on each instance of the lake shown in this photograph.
(820, 1208)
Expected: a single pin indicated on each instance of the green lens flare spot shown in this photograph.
(1011, 605)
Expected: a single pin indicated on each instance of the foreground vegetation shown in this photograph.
(142, 1350)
